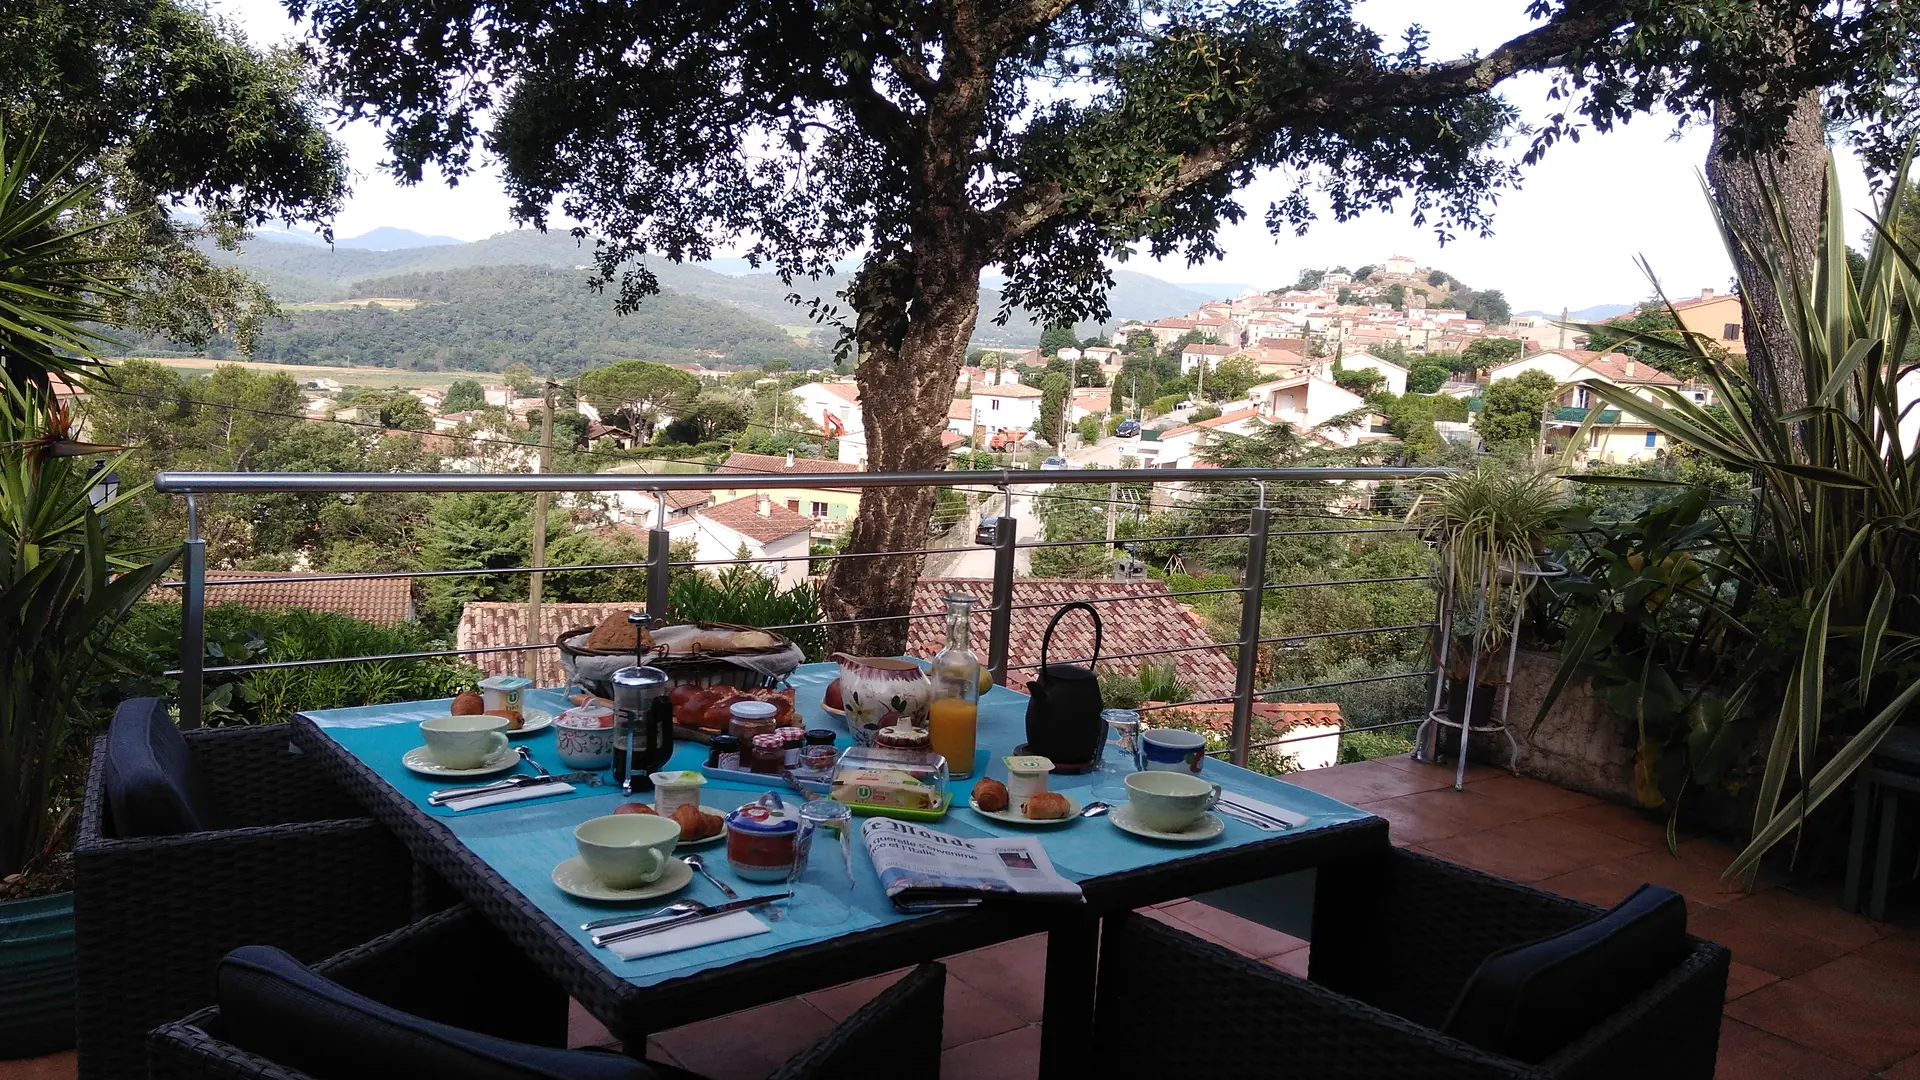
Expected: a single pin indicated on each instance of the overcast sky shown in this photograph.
(1566, 238)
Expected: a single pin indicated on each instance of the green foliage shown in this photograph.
(1446, 407)
(1362, 381)
(1309, 279)
(1425, 378)
(1484, 354)
(633, 393)
(743, 594)
(1090, 429)
(149, 644)
(462, 395)
(1437, 278)
(1660, 330)
(1055, 389)
(1204, 412)
(709, 417)
(1152, 681)
(1395, 295)
(1164, 405)
(1074, 512)
(1514, 408)
(1484, 522)
(1834, 497)
(1230, 379)
(1410, 418)
(1055, 338)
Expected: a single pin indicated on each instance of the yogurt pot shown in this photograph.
(1026, 775)
(675, 789)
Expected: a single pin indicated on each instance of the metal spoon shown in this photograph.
(699, 866)
(1094, 809)
(526, 755)
(681, 907)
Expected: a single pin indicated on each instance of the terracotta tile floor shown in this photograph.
(1814, 992)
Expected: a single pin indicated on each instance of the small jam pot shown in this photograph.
(747, 719)
(762, 839)
(820, 753)
(903, 737)
(793, 741)
(767, 753)
(723, 752)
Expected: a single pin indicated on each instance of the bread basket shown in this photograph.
(744, 668)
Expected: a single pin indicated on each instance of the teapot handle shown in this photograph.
(1058, 615)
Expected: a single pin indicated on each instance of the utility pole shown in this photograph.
(1563, 326)
(1113, 498)
(1200, 390)
(532, 657)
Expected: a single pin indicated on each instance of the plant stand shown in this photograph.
(1426, 741)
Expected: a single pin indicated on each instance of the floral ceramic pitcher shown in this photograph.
(879, 691)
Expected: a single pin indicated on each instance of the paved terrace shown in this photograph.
(1814, 994)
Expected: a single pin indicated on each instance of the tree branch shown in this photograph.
(1034, 203)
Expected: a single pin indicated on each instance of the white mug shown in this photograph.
(626, 851)
(1170, 801)
(1172, 750)
(464, 742)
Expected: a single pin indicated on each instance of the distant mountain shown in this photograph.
(1216, 290)
(1596, 313)
(388, 238)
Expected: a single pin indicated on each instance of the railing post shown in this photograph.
(659, 548)
(1000, 626)
(193, 623)
(1252, 593)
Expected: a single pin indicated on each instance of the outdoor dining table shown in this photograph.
(499, 859)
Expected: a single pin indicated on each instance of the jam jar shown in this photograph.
(749, 718)
(762, 839)
(767, 753)
(793, 742)
(820, 753)
(723, 752)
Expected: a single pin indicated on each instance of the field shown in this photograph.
(347, 376)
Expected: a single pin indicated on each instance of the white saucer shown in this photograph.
(417, 760)
(1012, 816)
(532, 722)
(573, 878)
(1208, 827)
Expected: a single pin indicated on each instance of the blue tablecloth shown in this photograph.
(524, 841)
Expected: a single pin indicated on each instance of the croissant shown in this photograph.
(990, 794)
(1045, 805)
(694, 824)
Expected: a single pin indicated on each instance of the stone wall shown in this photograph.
(1580, 745)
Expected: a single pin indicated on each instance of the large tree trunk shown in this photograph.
(1795, 173)
(912, 329)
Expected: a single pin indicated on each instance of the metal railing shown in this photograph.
(1254, 585)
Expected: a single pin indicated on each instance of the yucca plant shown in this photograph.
(1837, 503)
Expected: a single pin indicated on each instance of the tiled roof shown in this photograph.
(960, 410)
(1219, 421)
(374, 600)
(774, 463)
(1013, 390)
(1614, 366)
(744, 517)
(1209, 350)
(1152, 623)
(951, 439)
(491, 625)
(845, 391)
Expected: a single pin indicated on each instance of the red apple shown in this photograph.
(832, 697)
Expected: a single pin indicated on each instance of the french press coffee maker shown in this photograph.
(643, 726)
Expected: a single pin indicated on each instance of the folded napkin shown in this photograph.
(736, 924)
(1291, 817)
(513, 794)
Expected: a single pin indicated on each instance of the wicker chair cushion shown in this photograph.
(151, 784)
(274, 1006)
(1527, 1001)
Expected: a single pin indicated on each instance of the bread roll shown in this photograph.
(1045, 805)
(614, 633)
(990, 794)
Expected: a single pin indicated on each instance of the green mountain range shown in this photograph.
(523, 296)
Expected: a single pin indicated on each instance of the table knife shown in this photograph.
(678, 921)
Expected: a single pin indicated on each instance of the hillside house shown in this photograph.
(1192, 356)
(829, 509)
(1399, 266)
(1717, 316)
(1007, 408)
(1617, 436)
(1307, 401)
(1395, 375)
(1179, 448)
(639, 510)
(760, 527)
(834, 407)
(960, 418)
(1090, 401)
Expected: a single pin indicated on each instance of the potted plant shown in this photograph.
(1489, 526)
(61, 592)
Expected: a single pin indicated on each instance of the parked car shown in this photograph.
(1127, 429)
(1054, 464)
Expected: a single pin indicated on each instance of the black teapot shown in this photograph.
(1063, 712)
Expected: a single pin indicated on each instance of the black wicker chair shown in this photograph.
(1394, 941)
(454, 968)
(295, 864)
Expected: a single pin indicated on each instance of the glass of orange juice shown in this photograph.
(953, 716)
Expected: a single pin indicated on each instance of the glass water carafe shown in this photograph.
(953, 715)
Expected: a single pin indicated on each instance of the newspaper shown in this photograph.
(923, 870)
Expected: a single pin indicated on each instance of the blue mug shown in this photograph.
(1173, 750)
